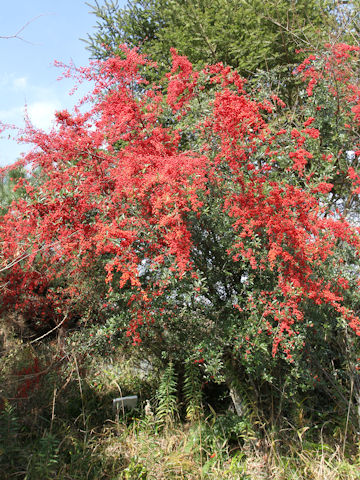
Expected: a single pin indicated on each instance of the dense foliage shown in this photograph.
(249, 35)
(244, 34)
(216, 213)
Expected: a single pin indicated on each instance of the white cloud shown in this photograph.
(5, 79)
(20, 95)
(20, 83)
(10, 82)
(11, 115)
(41, 113)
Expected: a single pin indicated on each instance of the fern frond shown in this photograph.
(167, 396)
(192, 392)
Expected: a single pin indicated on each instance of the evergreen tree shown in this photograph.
(246, 34)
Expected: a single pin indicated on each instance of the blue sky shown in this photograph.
(27, 74)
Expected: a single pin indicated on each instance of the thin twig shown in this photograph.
(53, 409)
(81, 395)
(50, 331)
(348, 414)
(26, 255)
(17, 34)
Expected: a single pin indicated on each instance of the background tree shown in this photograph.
(247, 35)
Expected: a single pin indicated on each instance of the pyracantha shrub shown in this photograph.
(208, 204)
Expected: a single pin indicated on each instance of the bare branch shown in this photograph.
(17, 34)
(50, 331)
(25, 255)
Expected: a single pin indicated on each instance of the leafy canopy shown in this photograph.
(247, 34)
(207, 204)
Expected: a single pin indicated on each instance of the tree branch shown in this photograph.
(17, 34)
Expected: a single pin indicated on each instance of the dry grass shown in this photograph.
(141, 452)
